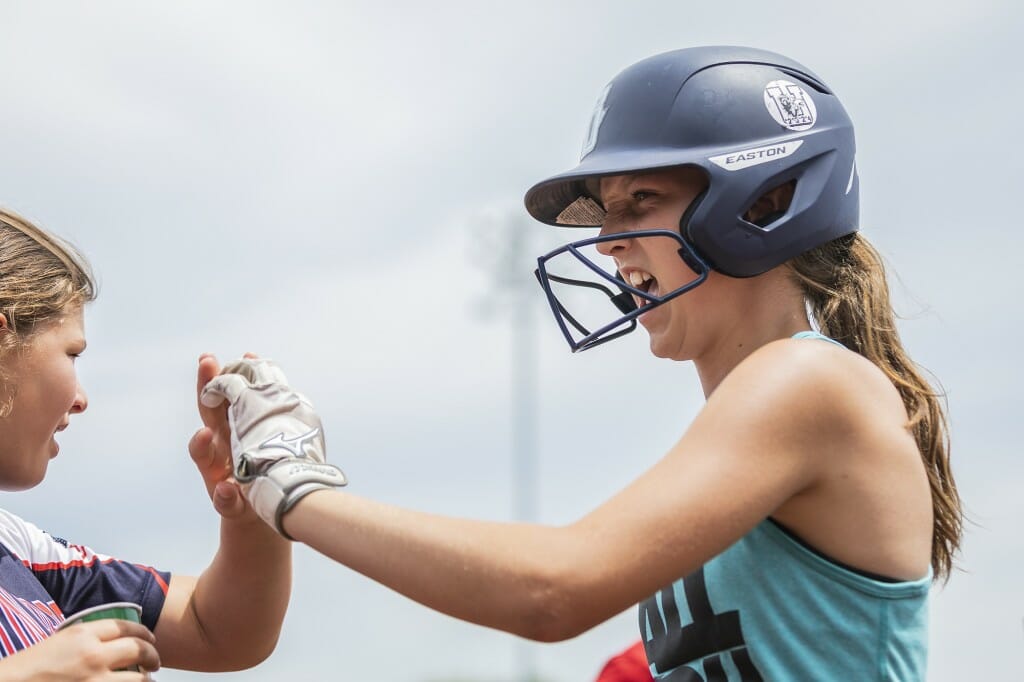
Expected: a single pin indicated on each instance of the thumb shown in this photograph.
(223, 387)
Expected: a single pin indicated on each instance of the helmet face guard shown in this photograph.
(751, 121)
(577, 333)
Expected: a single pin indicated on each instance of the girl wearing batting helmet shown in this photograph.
(209, 623)
(794, 529)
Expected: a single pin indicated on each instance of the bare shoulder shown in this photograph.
(811, 403)
(795, 408)
(865, 499)
(803, 380)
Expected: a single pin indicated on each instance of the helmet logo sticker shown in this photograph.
(595, 122)
(746, 158)
(789, 105)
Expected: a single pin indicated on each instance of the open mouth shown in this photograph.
(644, 281)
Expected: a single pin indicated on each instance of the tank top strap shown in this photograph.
(816, 335)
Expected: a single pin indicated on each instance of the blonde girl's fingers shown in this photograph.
(131, 676)
(228, 500)
(114, 628)
(200, 447)
(131, 651)
(208, 368)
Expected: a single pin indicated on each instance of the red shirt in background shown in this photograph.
(629, 666)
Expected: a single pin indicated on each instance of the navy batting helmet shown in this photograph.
(752, 121)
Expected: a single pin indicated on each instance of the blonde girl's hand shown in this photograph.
(210, 449)
(97, 651)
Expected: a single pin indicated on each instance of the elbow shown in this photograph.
(552, 631)
(556, 608)
(230, 657)
(257, 656)
(259, 653)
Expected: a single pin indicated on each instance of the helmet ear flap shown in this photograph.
(684, 231)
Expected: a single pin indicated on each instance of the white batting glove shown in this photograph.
(277, 442)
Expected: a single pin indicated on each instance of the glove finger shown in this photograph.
(223, 387)
(268, 372)
(259, 371)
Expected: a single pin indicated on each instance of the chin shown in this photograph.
(666, 348)
(30, 479)
(661, 350)
(20, 484)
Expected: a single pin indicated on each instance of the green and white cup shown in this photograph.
(120, 610)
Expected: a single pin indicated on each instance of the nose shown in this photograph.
(613, 247)
(81, 401)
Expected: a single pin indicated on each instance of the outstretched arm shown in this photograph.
(513, 577)
(744, 456)
(229, 617)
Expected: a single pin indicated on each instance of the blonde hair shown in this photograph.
(41, 275)
(844, 283)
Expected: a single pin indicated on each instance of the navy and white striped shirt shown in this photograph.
(43, 578)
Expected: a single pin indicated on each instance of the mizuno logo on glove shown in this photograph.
(295, 446)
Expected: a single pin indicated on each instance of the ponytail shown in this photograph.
(845, 286)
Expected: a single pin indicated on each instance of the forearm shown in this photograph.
(243, 595)
(232, 617)
(524, 579)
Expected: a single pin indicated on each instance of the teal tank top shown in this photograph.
(771, 608)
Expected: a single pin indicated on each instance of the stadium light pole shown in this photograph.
(524, 413)
(510, 261)
(524, 393)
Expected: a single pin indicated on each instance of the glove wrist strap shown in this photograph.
(287, 482)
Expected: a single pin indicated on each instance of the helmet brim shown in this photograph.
(546, 200)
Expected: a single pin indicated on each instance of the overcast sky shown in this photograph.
(326, 183)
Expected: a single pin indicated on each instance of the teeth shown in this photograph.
(637, 278)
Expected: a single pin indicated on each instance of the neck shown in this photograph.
(766, 314)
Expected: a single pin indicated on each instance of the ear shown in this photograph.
(3, 323)
(781, 197)
(771, 205)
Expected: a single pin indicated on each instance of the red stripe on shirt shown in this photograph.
(156, 576)
(58, 565)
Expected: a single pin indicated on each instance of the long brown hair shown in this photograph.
(844, 283)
